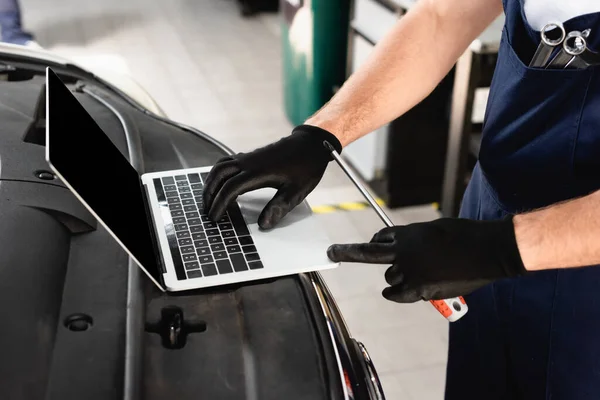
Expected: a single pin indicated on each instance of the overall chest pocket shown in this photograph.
(531, 126)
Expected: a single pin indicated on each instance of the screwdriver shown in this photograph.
(452, 309)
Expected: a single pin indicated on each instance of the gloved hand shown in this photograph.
(440, 259)
(294, 165)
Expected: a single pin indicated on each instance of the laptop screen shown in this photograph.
(92, 166)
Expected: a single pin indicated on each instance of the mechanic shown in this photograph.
(531, 209)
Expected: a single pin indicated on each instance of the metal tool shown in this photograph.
(452, 309)
(586, 33)
(573, 45)
(588, 58)
(552, 35)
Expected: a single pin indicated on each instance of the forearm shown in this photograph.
(560, 236)
(405, 66)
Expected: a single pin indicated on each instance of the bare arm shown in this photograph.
(405, 66)
(560, 236)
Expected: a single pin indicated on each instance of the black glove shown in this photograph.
(440, 259)
(294, 165)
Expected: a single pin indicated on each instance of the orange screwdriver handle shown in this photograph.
(452, 309)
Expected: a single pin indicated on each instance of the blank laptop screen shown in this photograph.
(97, 171)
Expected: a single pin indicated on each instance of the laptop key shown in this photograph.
(201, 243)
(189, 208)
(168, 180)
(196, 228)
(199, 236)
(185, 242)
(237, 220)
(224, 266)
(205, 259)
(188, 202)
(172, 193)
(220, 254)
(192, 265)
(215, 239)
(230, 241)
(224, 219)
(225, 227)
(217, 247)
(169, 188)
(194, 178)
(186, 195)
(212, 232)
(227, 234)
(194, 274)
(194, 221)
(189, 257)
(182, 234)
(210, 225)
(181, 227)
(197, 186)
(239, 264)
(180, 178)
(187, 249)
(252, 257)
(193, 214)
(209, 269)
(245, 240)
(233, 249)
(177, 213)
(249, 249)
(255, 265)
(203, 251)
(199, 199)
(184, 189)
(175, 207)
(182, 183)
(173, 200)
(179, 220)
(205, 218)
(197, 192)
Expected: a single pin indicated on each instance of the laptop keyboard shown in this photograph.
(199, 246)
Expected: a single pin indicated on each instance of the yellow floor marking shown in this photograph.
(352, 206)
(323, 209)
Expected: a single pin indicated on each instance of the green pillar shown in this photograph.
(315, 42)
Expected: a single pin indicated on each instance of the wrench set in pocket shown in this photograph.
(561, 50)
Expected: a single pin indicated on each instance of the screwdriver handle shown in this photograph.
(452, 309)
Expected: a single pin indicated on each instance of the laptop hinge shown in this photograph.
(152, 226)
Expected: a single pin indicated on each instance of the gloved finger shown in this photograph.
(386, 235)
(394, 275)
(219, 174)
(370, 253)
(238, 185)
(402, 293)
(278, 207)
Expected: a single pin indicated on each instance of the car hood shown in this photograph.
(122, 81)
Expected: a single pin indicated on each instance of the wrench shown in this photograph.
(452, 309)
(586, 59)
(552, 35)
(573, 45)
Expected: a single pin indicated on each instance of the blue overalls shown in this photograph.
(535, 337)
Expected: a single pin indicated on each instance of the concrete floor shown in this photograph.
(207, 67)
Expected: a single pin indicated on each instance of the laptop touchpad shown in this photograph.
(253, 203)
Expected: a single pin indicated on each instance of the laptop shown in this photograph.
(158, 217)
